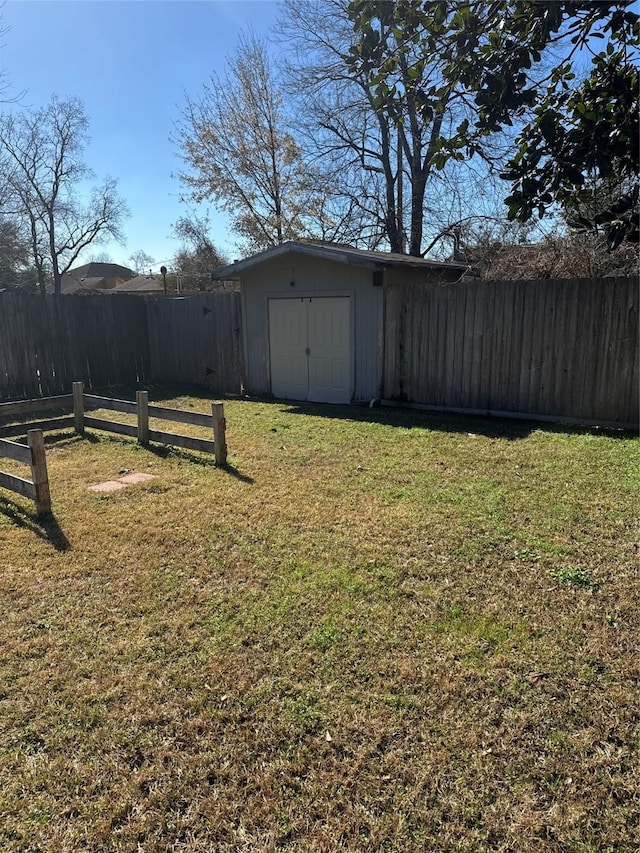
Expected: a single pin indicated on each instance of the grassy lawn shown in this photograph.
(375, 631)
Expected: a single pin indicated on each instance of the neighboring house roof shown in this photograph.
(92, 284)
(94, 276)
(139, 284)
(339, 253)
(100, 270)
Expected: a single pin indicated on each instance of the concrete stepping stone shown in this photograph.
(109, 486)
(122, 482)
(128, 479)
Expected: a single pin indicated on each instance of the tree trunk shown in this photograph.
(391, 212)
(399, 181)
(417, 214)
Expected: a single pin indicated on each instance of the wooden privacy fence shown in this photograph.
(552, 349)
(197, 339)
(34, 455)
(47, 342)
(555, 349)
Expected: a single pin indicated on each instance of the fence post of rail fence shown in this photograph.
(219, 433)
(142, 405)
(78, 407)
(35, 440)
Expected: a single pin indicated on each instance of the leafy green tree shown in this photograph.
(571, 126)
(377, 105)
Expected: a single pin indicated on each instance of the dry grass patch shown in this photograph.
(374, 631)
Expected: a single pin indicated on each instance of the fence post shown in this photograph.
(219, 433)
(142, 403)
(39, 475)
(78, 407)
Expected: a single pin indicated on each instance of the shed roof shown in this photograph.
(335, 252)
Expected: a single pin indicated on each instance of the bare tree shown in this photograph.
(557, 255)
(41, 160)
(141, 261)
(237, 145)
(100, 258)
(15, 272)
(197, 256)
(8, 95)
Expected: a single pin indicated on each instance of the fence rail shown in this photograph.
(143, 411)
(78, 403)
(42, 404)
(34, 455)
(22, 408)
(45, 426)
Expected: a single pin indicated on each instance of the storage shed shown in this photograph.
(313, 317)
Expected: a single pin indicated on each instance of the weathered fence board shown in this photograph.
(47, 343)
(111, 426)
(18, 485)
(92, 401)
(15, 451)
(555, 348)
(197, 339)
(34, 455)
(50, 423)
(195, 418)
(47, 404)
(205, 445)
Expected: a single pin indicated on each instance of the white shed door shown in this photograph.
(288, 348)
(310, 348)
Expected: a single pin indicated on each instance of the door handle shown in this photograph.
(307, 351)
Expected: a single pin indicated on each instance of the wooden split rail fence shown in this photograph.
(143, 410)
(33, 453)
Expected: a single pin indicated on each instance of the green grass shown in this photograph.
(375, 630)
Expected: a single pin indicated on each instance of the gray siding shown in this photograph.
(312, 277)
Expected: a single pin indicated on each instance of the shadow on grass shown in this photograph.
(235, 472)
(69, 437)
(490, 426)
(161, 451)
(512, 429)
(44, 526)
(158, 392)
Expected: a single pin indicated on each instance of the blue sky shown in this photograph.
(130, 63)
